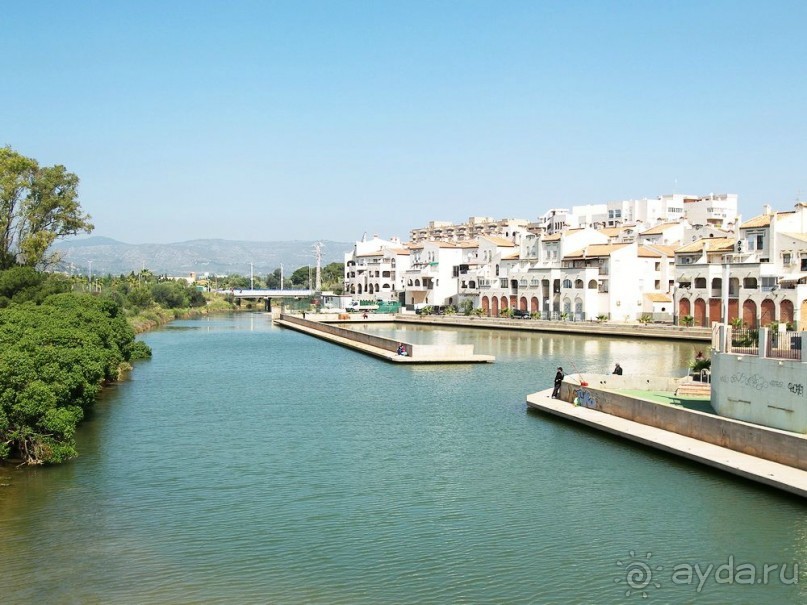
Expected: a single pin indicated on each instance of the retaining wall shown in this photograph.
(770, 444)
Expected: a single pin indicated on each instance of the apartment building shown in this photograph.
(375, 269)
(764, 268)
(474, 227)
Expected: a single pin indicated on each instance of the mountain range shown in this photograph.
(214, 256)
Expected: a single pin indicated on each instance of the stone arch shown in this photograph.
(494, 306)
(535, 305)
(578, 283)
(503, 304)
(522, 304)
(767, 312)
(700, 312)
(786, 311)
(592, 284)
(485, 305)
(750, 313)
(567, 305)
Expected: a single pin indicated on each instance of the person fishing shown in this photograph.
(558, 381)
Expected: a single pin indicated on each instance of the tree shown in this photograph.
(273, 280)
(37, 206)
(300, 277)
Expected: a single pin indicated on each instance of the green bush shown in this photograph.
(55, 358)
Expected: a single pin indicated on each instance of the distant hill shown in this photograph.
(216, 256)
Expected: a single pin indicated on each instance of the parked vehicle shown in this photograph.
(361, 306)
(519, 314)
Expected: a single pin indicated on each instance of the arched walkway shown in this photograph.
(700, 312)
(767, 312)
(750, 314)
(535, 305)
(715, 311)
(503, 303)
(786, 312)
(684, 308)
(494, 307)
(522, 304)
(485, 305)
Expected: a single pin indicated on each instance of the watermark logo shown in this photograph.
(638, 574)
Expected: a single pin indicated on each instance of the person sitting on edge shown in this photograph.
(618, 370)
(558, 382)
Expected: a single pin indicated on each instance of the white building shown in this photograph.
(375, 269)
(432, 278)
(766, 265)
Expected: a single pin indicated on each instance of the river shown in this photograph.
(246, 463)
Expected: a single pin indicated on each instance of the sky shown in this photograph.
(284, 120)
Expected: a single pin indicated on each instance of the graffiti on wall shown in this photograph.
(758, 382)
(585, 399)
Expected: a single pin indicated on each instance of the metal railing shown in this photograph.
(745, 341)
(784, 345)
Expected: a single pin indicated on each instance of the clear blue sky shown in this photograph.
(264, 120)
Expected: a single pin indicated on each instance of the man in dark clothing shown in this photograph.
(618, 370)
(558, 381)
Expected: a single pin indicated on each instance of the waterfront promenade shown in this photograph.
(383, 348)
(588, 328)
(754, 468)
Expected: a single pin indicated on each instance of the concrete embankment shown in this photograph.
(384, 348)
(769, 456)
(588, 328)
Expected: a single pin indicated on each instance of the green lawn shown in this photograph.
(691, 403)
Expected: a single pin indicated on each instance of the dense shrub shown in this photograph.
(55, 357)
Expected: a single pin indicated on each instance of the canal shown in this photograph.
(246, 463)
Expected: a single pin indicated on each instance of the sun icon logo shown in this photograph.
(638, 574)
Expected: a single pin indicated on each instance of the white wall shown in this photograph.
(770, 392)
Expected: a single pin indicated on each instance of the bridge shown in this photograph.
(266, 295)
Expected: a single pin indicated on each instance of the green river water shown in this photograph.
(246, 463)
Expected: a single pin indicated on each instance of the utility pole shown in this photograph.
(318, 251)
(281, 276)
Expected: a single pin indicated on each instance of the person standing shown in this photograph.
(618, 370)
(558, 382)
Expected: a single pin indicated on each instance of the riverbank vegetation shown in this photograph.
(57, 354)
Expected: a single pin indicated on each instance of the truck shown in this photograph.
(361, 306)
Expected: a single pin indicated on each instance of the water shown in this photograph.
(250, 464)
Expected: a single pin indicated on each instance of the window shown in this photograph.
(769, 282)
(567, 283)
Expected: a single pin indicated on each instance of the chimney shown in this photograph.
(767, 209)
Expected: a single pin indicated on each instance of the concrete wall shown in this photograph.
(770, 444)
(415, 351)
(771, 392)
(638, 382)
(380, 342)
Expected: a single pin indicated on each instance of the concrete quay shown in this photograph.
(587, 328)
(767, 472)
(383, 348)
